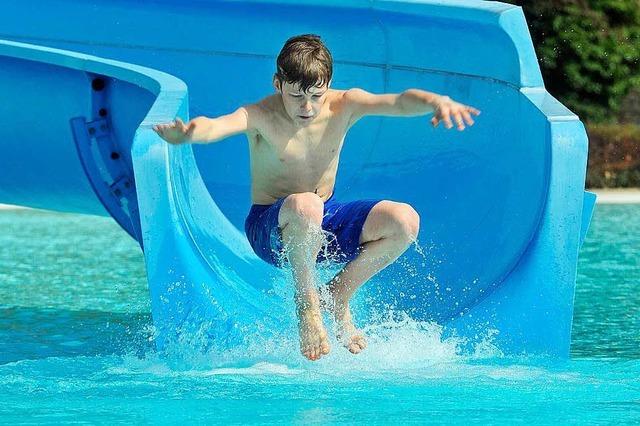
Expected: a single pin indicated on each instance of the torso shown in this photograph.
(287, 160)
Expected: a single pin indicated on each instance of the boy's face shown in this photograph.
(302, 107)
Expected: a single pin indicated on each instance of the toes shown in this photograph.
(361, 341)
(357, 344)
(354, 348)
(305, 351)
(314, 342)
(324, 347)
(309, 351)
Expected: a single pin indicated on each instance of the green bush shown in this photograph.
(589, 52)
(614, 156)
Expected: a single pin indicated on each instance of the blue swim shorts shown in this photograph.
(342, 220)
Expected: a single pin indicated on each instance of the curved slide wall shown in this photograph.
(501, 203)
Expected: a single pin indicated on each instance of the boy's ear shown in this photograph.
(276, 83)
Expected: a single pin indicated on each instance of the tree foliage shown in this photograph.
(589, 52)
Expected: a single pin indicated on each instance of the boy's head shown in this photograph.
(305, 68)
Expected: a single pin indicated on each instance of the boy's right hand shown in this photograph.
(175, 132)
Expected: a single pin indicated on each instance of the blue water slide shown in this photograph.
(503, 207)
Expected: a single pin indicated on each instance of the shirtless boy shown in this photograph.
(295, 138)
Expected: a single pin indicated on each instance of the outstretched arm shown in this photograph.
(204, 129)
(410, 103)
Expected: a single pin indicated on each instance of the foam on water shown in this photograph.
(398, 344)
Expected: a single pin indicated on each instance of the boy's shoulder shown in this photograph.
(261, 112)
(265, 110)
(268, 105)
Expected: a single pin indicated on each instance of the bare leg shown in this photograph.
(300, 220)
(388, 231)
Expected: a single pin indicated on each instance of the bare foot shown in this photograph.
(313, 337)
(351, 338)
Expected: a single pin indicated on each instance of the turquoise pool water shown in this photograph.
(75, 346)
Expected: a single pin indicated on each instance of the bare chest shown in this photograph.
(309, 151)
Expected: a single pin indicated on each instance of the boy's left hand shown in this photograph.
(445, 107)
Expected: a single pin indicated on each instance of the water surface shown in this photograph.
(76, 345)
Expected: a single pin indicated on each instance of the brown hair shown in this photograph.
(305, 60)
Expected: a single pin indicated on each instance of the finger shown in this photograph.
(447, 119)
(435, 122)
(191, 129)
(458, 118)
(467, 118)
(473, 110)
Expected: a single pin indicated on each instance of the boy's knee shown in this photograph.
(410, 222)
(406, 221)
(304, 207)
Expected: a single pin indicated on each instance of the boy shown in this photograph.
(295, 138)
